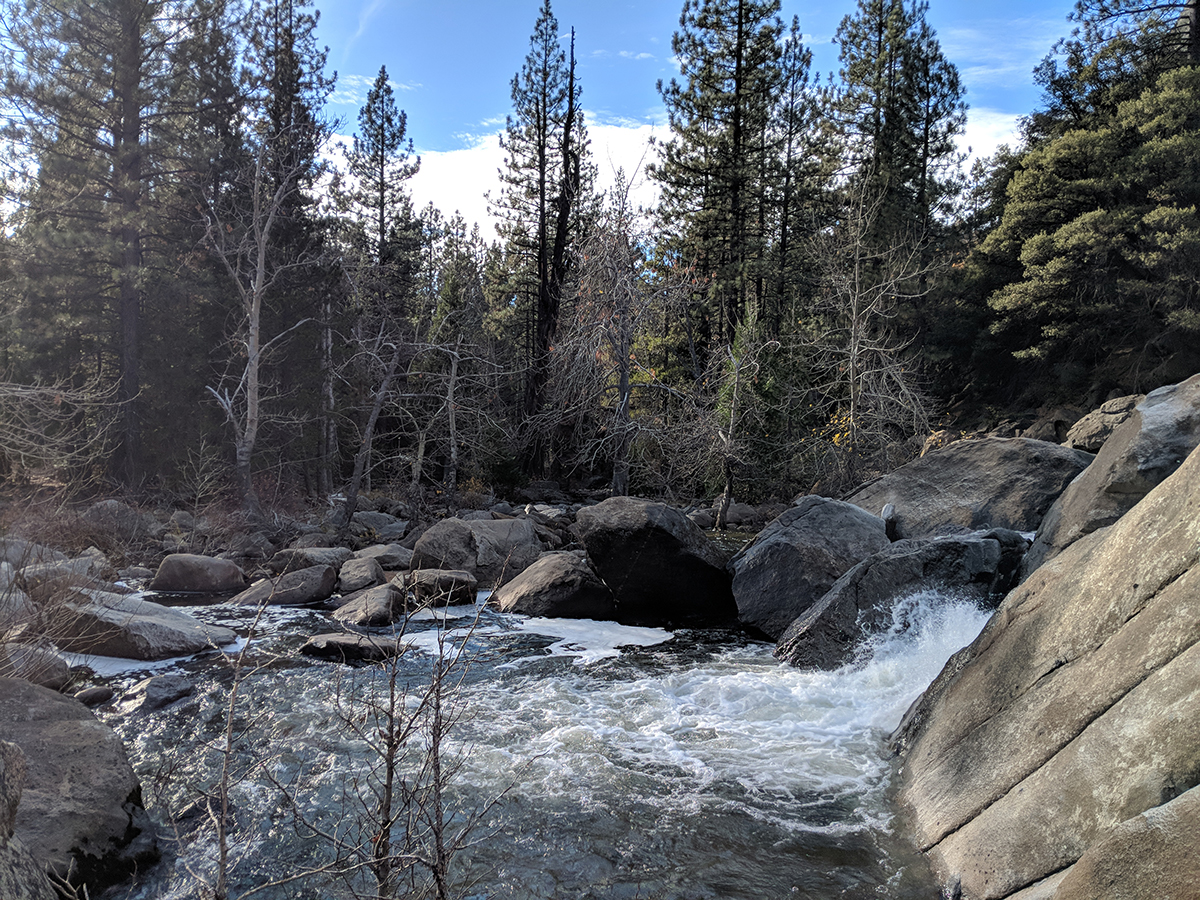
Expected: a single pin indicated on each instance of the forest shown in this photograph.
(200, 297)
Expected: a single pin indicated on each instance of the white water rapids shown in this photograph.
(627, 762)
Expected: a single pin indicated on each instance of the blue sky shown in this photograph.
(451, 63)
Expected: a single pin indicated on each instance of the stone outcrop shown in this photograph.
(975, 484)
(494, 551)
(191, 573)
(302, 587)
(560, 584)
(107, 624)
(391, 557)
(661, 568)
(1076, 710)
(82, 804)
(860, 603)
(794, 560)
(1151, 444)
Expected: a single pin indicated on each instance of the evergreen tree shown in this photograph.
(99, 135)
(546, 194)
(715, 170)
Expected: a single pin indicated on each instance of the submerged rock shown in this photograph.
(352, 647)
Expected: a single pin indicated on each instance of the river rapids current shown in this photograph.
(604, 761)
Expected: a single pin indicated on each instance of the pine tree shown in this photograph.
(714, 169)
(547, 188)
(99, 136)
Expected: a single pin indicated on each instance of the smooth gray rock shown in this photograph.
(191, 573)
(494, 551)
(391, 557)
(795, 560)
(357, 574)
(106, 624)
(39, 665)
(352, 647)
(121, 521)
(560, 584)
(19, 553)
(16, 607)
(1151, 444)
(372, 607)
(1076, 709)
(294, 559)
(860, 603)
(297, 588)
(82, 803)
(661, 568)
(439, 587)
(976, 484)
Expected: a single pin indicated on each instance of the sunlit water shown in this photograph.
(607, 761)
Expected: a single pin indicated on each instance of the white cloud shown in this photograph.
(459, 179)
(352, 90)
(987, 129)
(629, 54)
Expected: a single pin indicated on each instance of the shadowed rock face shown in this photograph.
(559, 585)
(494, 551)
(661, 568)
(987, 483)
(1076, 711)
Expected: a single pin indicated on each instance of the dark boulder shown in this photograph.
(299, 588)
(860, 603)
(439, 587)
(190, 573)
(494, 551)
(797, 558)
(352, 647)
(661, 568)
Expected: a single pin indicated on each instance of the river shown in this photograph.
(602, 761)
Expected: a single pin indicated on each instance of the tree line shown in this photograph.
(193, 278)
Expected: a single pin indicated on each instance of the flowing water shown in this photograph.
(607, 761)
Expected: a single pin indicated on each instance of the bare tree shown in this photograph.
(242, 239)
(868, 391)
(54, 426)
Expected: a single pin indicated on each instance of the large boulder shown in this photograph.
(82, 805)
(104, 624)
(1076, 709)
(860, 603)
(1151, 444)
(191, 573)
(373, 607)
(439, 587)
(391, 557)
(661, 568)
(975, 484)
(18, 552)
(493, 550)
(359, 573)
(797, 558)
(122, 522)
(21, 876)
(560, 585)
(303, 587)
